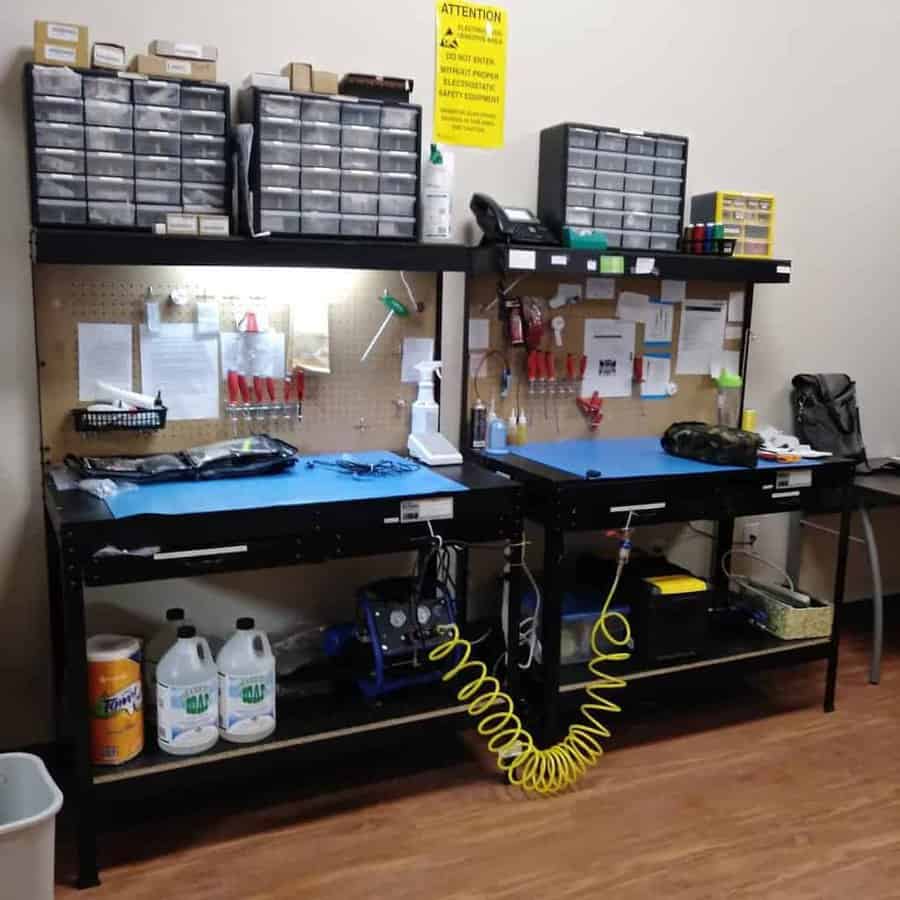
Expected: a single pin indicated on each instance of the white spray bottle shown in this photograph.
(425, 409)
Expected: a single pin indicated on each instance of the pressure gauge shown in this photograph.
(398, 618)
(423, 614)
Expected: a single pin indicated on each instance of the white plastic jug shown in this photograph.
(187, 696)
(155, 649)
(246, 667)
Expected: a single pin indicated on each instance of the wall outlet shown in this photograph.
(748, 534)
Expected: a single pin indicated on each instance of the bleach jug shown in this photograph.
(246, 667)
(187, 696)
(155, 649)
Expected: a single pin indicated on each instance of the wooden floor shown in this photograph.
(757, 795)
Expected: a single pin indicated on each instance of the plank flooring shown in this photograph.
(752, 794)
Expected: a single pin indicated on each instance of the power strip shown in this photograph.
(795, 599)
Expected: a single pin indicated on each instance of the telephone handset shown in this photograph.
(508, 224)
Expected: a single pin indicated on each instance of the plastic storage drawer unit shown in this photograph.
(277, 175)
(320, 223)
(148, 216)
(397, 183)
(158, 168)
(272, 198)
(157, 143)
(320, 110)
(107, 112)
(362, 182)
(211, 195)
(320, 133)
(361, 114)
(110, 140)
(157, 118)
(166, 193)
(275, 129)
(206, 170)
(61, 187)
(111, 214)
(202, 146)
(58, 109)
(395, 226)
(279, 222)
(59, 134)
(115, 190)
(406, 141)
(118, 165)
(279, 152)
(199, 121)
(57, 81)
(320, 201)
(118, 90)
(157, 93)
(396, 205)
(62, 212)
(320, 156)
(399, 117)
(749, 218)
(397, 161)
(360, 136)
(207, 98)
(360, 226)
(64, 162)
(320, 179)
(360, 204)
(280, 106)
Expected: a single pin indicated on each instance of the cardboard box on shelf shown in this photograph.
(194, 70)
(108, 56)
(268, 81)
(209, 225)
(300, 75)
(324, 82)
(181, 223)
(183, 50)
(61, 44)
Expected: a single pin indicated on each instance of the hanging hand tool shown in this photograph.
(299, 387)
(234, 398)
(540, 385)
(244, 388)
(394, 308)
(593, 409)
(550, 366)
(260, 396)
(287, 404)
(270, 390)
(558, 324)
(570, 373)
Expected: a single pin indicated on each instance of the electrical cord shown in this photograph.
(480, 366)
(357, 469)
(755, 556)
(550, 770)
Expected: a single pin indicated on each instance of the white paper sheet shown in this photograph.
(736, 306)
(479, 334)
(660, 319)
(207, 317)
(673, 291)
(415, 350)
(600, 288)
(701, 335)
(725, 359)
(734, 332)
(104, 354)
(657, 375)
(259, 353)
(609, 347)
(644, 265)
(632, 307)
(185, 367)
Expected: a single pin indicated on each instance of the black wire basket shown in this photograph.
(120, 420)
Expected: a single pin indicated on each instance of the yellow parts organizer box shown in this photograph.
(748, 218)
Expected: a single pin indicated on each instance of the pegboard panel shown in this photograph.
(358, 406)
(554, 416)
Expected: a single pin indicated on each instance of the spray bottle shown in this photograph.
(425, 409)
(437, 195)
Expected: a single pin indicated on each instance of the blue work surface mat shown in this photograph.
(641, 457)
(297, 486)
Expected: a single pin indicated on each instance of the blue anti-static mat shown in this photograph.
(295, 487)
(641, 457)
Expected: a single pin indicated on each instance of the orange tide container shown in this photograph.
(115, 698)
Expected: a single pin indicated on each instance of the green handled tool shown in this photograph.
(394, 308)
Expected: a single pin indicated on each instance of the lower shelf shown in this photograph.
(749, 651)
(308, 721)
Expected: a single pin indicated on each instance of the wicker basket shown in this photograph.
(789, 622)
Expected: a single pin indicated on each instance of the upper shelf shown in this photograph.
(682, 266)
(73, 246)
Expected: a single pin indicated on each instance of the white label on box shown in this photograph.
(644, 265)
(797, 478)
(104, 55)
(522, 259)
(180, 224)
(213, 225)
(60, 54)
(426, 510)
(783, 495)
(178, 67)
(783, 270)
(67, 33)
(560, 260)
(193, 51)
(592, 265)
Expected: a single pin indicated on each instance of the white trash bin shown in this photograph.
(29, 802)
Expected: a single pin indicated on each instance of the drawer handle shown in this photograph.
(206, 551)
(783, 495)
(638, 507)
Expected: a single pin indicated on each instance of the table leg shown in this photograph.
(76, 687)
(57, 627)
(840, 576)
(877, 595)
(551, 629)
(515, 557)
(462, 584)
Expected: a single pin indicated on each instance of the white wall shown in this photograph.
(794, 97)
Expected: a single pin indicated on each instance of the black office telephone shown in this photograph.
(508, 224)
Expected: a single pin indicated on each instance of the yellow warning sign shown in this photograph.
(470, 74)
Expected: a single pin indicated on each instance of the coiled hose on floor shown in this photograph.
(558, 767)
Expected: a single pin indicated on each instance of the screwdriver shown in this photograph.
(286, 407)
(233, 399)
(244, 388)
(270, 389)
(570, 373)
(299, 386)
(258, 388)
(550, 369)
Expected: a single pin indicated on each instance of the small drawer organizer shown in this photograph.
(593, 176)
(333, 166)
(111, 152)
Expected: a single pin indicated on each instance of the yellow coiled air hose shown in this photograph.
(560, 766)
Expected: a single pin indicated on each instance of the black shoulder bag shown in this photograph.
(827, 416)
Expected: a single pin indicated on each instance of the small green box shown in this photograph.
(612, 265)
(584, 238)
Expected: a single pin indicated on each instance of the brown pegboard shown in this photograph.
(626, 416)
(354, 394)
